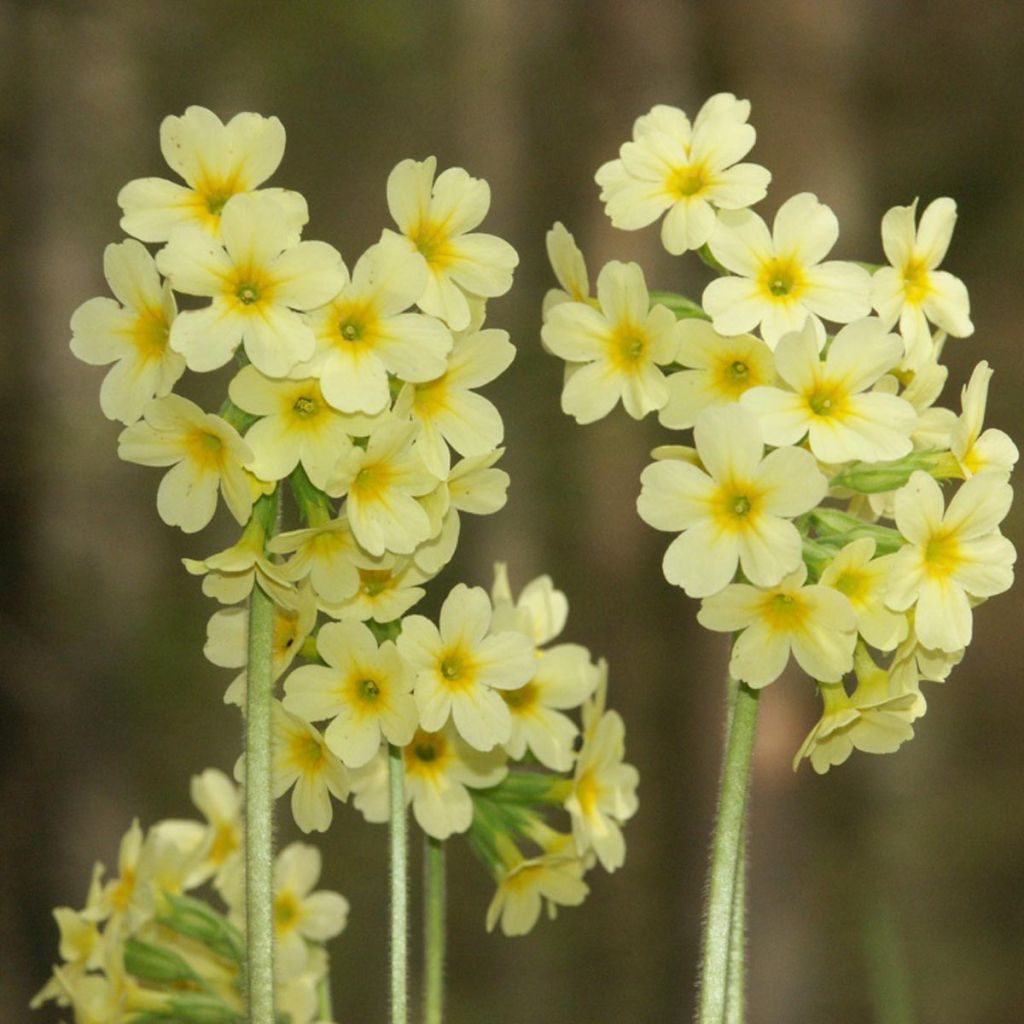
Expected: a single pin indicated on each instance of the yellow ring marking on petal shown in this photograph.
(781, 280)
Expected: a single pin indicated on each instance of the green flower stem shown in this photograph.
(727, 851)
(736, 1005)
(434, 931)
(399, 888)
(259, 806)
(324, 1003)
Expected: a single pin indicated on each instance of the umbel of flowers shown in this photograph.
(353, 408)
(805, 487)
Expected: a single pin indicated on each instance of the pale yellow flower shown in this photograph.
(570, 269)
(978, 450)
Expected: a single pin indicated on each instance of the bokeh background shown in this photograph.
(891, 885)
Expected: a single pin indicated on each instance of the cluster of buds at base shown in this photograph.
(808, 512)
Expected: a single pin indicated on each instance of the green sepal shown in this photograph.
(385, 630)
(681, 306)
(264, 513)
(148, 962)
(837, 529)
(197, 920)
(704, 252)
(236, 416)
(528, 788)
(880, 477)
(194, 1010)
(314, 506)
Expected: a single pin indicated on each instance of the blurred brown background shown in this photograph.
(108, 705)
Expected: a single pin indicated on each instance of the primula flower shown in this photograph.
(952, 555)
(446, 408)
(829, 400)
(569, 266)
(297, 426)
(132, 333)
(438, 768)
(383, 482)
(912, 291)
(217, 161)
(327, 555)
(782, 282)
(129, 900)
(206, 454)
(603, 790)
(688, 170)
(618, 347)
(461, 666)
(301, 915)
(364, 689)
(302, 759)
(817, 624)
(260, 280)
(876, 718)
(978, 451)
(719, 370)
(863, 578)
(437, 219)
(220, 802)
(526, 885)
(735, 512)
(363, 334)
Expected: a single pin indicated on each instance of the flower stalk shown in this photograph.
(399, 873)
(721, 972)
(434, 931)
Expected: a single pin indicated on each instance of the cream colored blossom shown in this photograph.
(570, 269)
(366, 332)
(719, 370)
(978, 450)
(438, 768)
(131, 332)
(618, 348)
(437, 219)
(450, 412)
(952, 555)
(876, 718)
(260, 280)
(781, 280)
(205, 453)
(297, 425)
(388, 588)
(736, 511)
(829, 401)
(912, 291)
(220, 802)
(688, 170)
(382, 483)
(365, 689)
(863, 578)
(327, 555)
(303, 760)
(217, 161)
(603, 790)
(816, 624)
(462, 665)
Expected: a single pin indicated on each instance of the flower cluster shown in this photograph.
(150, 944)
(808, 514)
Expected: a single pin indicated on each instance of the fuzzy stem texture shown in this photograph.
(727, 850)
(399, 888)
(434, 931)
(259, 817)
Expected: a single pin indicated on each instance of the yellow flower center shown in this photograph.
(522, 700)
(122, 893)
(248, 289)
(457, 668)
(781, 279)
(427, 755)
(205, 449)
(785, 613)
(305, 407)
(627, 347)
(828, 400)
(432, 240)
(855, 585)
(286, 631)
(941, 555)
(431, 399)
(149, 334)
(688, 181)
(587, 792)
(372, 481)
(286, 912)
(211, 196)
(735, 508)
(306, 752)
(916, 283)
(373, 582)
(225, 842)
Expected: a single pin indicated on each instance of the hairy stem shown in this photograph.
(434, 931)
(259, 817)
(399, 888)
(725, 877)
